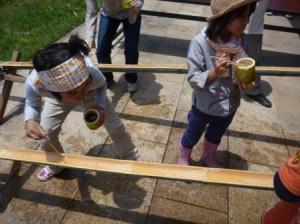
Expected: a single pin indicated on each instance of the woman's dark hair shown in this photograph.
(56, 54)
(216, 26)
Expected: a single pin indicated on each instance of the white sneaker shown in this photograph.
(132, 87)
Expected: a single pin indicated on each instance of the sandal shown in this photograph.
(46, 173)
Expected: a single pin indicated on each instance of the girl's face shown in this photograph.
(77, 94)
(237, 26)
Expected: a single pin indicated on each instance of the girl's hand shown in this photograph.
(102, 114)
(91, 43)
(242, 85)
(220, 69)
(221, 66)
(136, 5)
(34, 130)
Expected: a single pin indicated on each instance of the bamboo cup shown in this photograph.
(245, 70)
(126, 4)
(92, 118)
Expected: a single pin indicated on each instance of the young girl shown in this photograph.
(66, 77)
(216, 95)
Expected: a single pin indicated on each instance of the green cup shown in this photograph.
(245, 70)
(126, 4)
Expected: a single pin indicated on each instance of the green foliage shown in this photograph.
(29, 25)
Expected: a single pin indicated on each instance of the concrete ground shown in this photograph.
(259, 139)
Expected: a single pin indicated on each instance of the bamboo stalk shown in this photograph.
(163, 68)
(228, 177)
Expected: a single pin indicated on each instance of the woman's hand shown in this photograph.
(136, 4)
(34, 130)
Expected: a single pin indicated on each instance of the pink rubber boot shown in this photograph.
(208, 157)
(185, 154)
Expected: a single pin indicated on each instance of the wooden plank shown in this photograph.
(156, 68)
(7, 87)
(227, 177)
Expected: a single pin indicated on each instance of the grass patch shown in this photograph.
(29, 25)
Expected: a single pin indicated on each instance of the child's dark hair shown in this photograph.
(56, 54)
(216, 26)
(282, 192)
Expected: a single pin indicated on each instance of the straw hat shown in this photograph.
(221, 7)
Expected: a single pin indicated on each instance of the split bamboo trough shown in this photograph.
(228, 177)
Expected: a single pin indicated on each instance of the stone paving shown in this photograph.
(259, 139)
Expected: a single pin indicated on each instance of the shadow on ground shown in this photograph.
(273, 58)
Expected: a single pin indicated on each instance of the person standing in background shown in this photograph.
(113, 13)
(252, 43)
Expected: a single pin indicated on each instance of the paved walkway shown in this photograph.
(259, 139)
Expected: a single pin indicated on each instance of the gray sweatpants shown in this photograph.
(55, 112)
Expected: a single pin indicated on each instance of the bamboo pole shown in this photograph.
(228, 177)
(278, 71)
(163, 68)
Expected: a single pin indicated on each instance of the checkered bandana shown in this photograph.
(66, 76)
